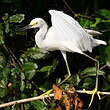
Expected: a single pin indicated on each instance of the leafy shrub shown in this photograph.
(30, 73)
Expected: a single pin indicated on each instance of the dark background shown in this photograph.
(39, 8)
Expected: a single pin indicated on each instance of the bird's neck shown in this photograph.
(40, 35)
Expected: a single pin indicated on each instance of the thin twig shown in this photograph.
(41, 97)
(105, 30)
(69, 8)
(76, 15)
(101, 68)
(14, 59)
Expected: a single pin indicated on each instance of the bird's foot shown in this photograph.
(93, 93)
(44, 94)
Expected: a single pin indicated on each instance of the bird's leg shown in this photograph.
(69, 74)
(95, 91)
(46, 93)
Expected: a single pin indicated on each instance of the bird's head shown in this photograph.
(35, 23)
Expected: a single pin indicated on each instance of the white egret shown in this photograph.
(65, 35)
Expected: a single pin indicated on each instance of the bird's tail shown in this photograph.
(93, 32)
(97, 42)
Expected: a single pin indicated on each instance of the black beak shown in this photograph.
(25, 27)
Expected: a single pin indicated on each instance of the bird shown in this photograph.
(66, 35)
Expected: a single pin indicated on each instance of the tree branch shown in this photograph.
(41, 97)
(75, 14)
(69, 8)
(101, 93)
(24, 100)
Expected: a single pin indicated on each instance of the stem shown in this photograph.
(41, 97)
(14, 59)
(101, 68)
(69, 8)
(76, 15)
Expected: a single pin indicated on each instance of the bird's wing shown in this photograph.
(68, 30)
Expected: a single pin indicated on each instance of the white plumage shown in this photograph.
(65, 35)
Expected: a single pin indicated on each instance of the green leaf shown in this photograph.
(16, 31)
(7, 1)
(15, 71)
(2, 60)
(45, 86)
(23, 96)
(4, 74)
(86, 23)
(108, 63)
(29, 86)
(3, 83)
(22, 76)
(105, 85)
(26, 106)
(98, 20)
(55, 63)
(107, 53)
(58, 81)
(87, 83)
(53, 105)
(4, 18)
(30, 69)
(18, 18)
(49, 69)
(36, 53)
(14, 3)
(35, 93)
(3, 92)
(38, 105)
(75, 79)
(46, 69)
(108, 77)
(6, 27)
(2, 41)
(103, 12)
(91, 71)
(22, 86)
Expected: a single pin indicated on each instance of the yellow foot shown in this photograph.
(46, 93)
(93, 93)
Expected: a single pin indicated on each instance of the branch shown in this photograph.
(76, 15)
(69, 8)
(24, 100)
(41, 97)
(101, 93)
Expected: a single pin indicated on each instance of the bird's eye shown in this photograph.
(34, 24)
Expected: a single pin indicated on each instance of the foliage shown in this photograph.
(33, 71)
